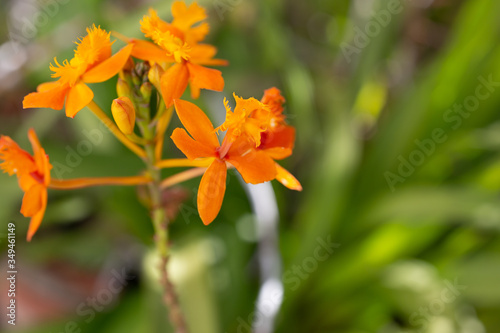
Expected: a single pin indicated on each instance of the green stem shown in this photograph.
(160, 224)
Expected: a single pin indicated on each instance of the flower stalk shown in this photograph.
(71, 184)
(142, 96)
(160, 224)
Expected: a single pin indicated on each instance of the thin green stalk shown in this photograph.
(160, 224)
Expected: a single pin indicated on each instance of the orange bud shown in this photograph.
(124, 114)
(122, 88)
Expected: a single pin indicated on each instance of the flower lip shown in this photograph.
(91, 50)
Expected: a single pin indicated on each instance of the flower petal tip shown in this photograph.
(206, 222)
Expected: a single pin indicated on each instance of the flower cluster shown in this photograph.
(255, 133)
(178, 44)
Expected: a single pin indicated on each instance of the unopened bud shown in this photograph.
(146, 90)
(124, 114)
(136, 79)
(154, 76)
(123, 88)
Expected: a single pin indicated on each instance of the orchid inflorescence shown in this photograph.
(160, 69)
(256, 132)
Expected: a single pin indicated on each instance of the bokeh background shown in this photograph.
(396, 105)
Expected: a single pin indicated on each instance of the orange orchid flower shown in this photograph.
(254, 166)
(177, 43)
(263, 124)
(33, 174)
(279, 138)
(91, 63)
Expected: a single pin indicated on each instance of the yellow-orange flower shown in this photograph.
(278, 139)
(254, 166)
(91, 63)
(177, 43)
(33, 174)
(262, 124)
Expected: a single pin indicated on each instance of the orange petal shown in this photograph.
(211, 191)
(36, 220)
(109, 67)
(15, 160)
(197, 34)
(283, 137)
(287, 179)
(202, 51)
(41, 158)
(46, 86)
(46, 168)
(254, 166)
(78, 97)
(204, 78)
(202, 54)
(278, 153)
(38, 152)
(145, 50)
(26, 181)
(173, 83)
(196, 123)
(191, 148)
(210, 62)
(35, 143)
(32, 200)
(185, 17)
(51, 95)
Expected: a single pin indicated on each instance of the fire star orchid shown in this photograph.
(91, 63)
(263, 124)
(253, 165)
(279, 138)
(254, 138)
(33, 174)
(177, 43)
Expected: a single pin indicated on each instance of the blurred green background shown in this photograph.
(396, 105)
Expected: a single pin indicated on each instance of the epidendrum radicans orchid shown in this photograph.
(256, 132)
